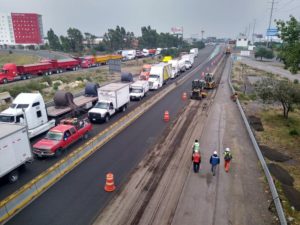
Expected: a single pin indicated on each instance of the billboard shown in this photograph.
(177, 30)
(272, 32)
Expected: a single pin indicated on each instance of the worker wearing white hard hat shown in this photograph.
(214, 161)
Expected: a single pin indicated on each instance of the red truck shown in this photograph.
(12, 72)
(62, 65)
(88, 61)
(60, 137)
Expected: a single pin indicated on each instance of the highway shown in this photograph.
(79, 196)
(40, 165)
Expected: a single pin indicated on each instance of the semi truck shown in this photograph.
(15, 150)
(139, 89)
(129, 54)
(194, 51)
(88, 61)
(28, 109)
(112, 98)
(144, 75)
(159, 75)
(175, 67)
(12, 72)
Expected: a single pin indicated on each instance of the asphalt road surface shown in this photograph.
(40, 165)
(82, 189)
(165, 190)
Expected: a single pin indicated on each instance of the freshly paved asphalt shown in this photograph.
(79, 196)
(38, 166)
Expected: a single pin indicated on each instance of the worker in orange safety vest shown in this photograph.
(196, 158)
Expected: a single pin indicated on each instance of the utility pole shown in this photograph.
(253, 31)
(270, 20)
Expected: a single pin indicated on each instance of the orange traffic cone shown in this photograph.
(166, 116)
(109, 185)
(184, 96)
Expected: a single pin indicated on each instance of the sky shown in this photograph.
(220, 18)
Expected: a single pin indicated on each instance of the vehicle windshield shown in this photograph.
(146, 69)
(54, 136)
(13, 106)
(187, 62)
(154, 76)
(7, 119)
(102, 105)
(136, 90)
(3, 71)
(22, 106)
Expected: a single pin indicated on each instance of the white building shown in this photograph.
(6, 30)
(242, 42)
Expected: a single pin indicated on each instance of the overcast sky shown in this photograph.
(221, 18)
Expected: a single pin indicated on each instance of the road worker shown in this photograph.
(214, 161)
(196, 158)
(196, 146)
(227, 159)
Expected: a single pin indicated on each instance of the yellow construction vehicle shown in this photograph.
(198, 89)
(210, 81)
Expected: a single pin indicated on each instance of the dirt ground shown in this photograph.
(164, 190)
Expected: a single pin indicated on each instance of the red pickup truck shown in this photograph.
(62, 136)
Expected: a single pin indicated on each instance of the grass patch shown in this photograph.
(19, 59)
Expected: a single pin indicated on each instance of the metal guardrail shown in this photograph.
(260, 156)
(22, 197)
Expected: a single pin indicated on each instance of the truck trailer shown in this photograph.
(12, 72)
(159, 75)
(15, 150)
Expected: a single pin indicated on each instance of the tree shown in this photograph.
(281, 91)
(149, 38)
(75, 39)
(118, 38)
(198, 44)
(263, 52)
(289, 32)
(65, 43)
(53, 39)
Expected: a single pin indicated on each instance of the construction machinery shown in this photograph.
(210, 81)
(198, 89)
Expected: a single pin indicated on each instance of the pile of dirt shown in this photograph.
(256, 123)
(281, 174)
(273, 154)
(292, 195)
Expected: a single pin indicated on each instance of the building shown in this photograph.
(21, 29)
(6, 30)
(242, 42)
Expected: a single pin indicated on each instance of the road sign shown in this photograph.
(114, 65)
(272, 32)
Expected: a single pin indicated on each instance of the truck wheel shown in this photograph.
(140, 98)
(5, 81)
(107, 118)
(58, 152)
(46, 73)
(124, 108)
(13, 176)
(28, 77)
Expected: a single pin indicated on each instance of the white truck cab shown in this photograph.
(139, 89)
(28, 109)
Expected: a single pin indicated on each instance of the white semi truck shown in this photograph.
(15, 150)
(112, 98)
(28, 109)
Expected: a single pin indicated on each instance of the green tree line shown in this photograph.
(116, 39)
